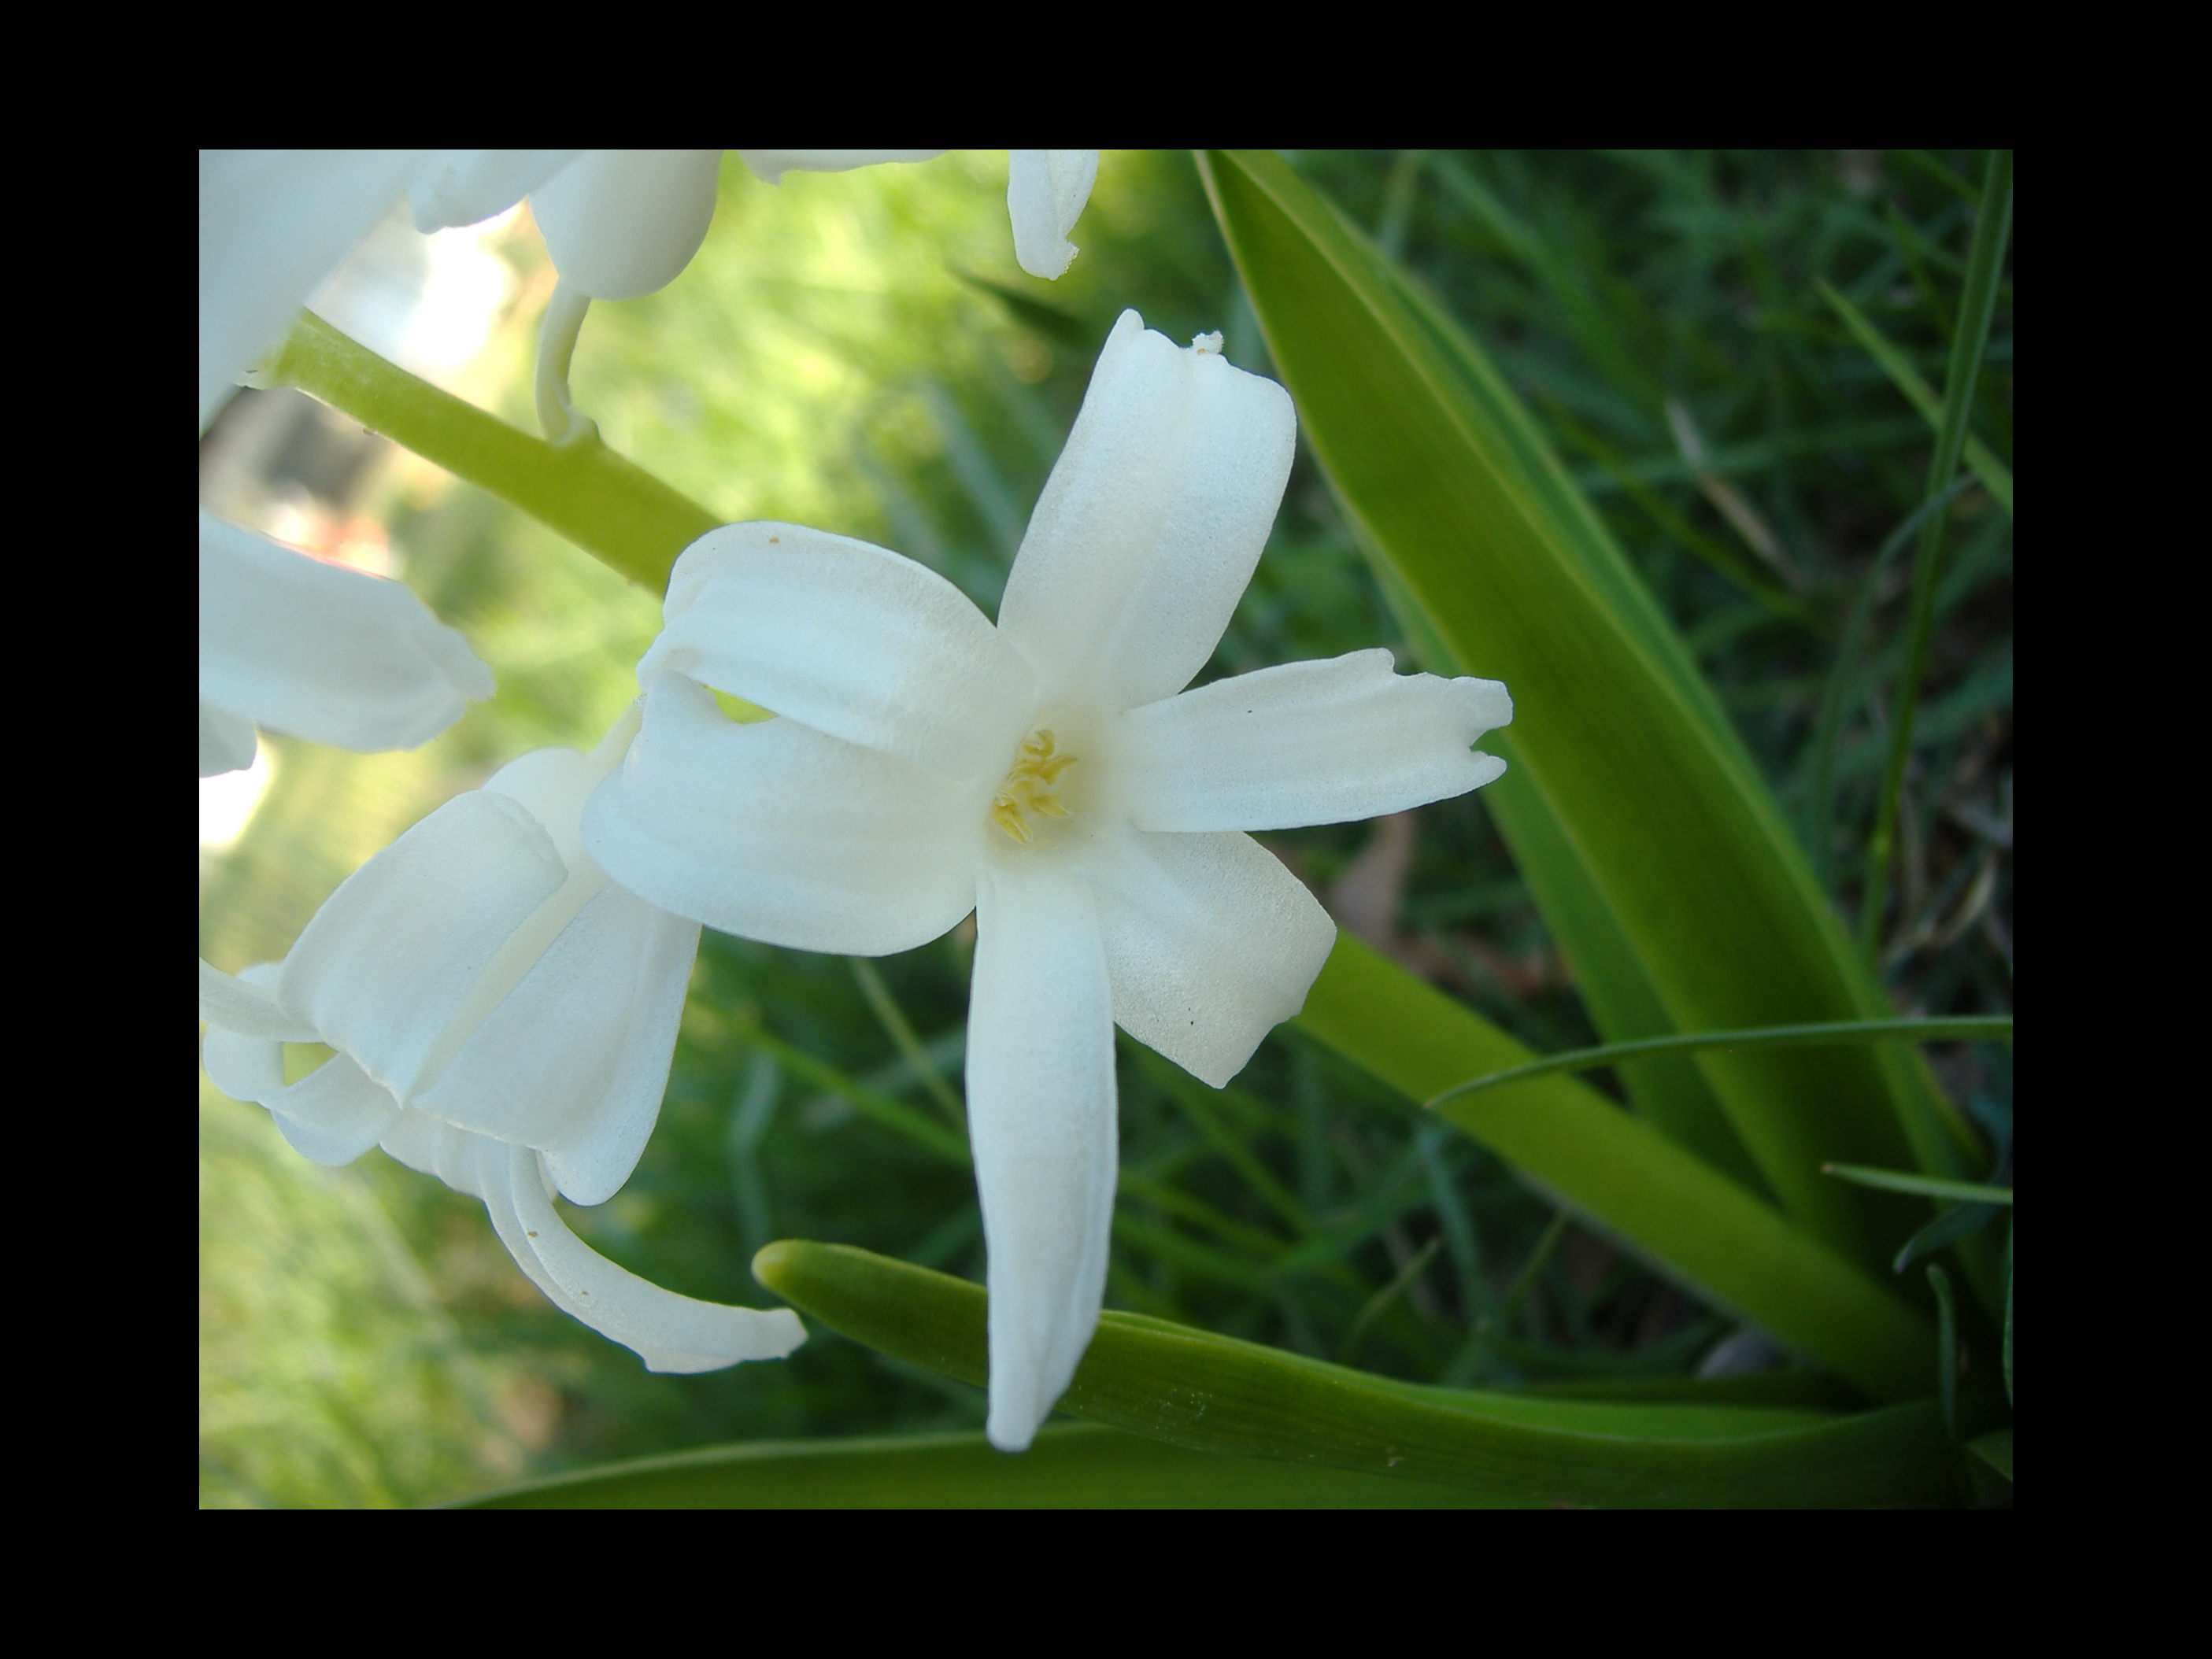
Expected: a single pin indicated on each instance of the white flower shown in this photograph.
(1046, 774)
(317, 651)
(504, 1017)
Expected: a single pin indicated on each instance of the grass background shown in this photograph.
(859, 352)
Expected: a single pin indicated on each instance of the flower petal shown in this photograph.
(620, 223)
(670, 1333)
(1046, 191)
(770, 165)
(436, 1148)
(1151, 524)
(1210, 944)
(849, 639)
(323, 652)
(273, 224)
(1041, 1116)
(574, 1061)
(396, 953)
(1323, 742)
(247, 1003)
(334, 1114)
(778, 833)
(467, 186)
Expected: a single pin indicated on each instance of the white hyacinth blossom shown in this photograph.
(1045, 774)
(504, 1017)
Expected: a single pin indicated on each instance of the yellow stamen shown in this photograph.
(1032, 786)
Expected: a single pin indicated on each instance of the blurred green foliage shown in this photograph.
(859, 352)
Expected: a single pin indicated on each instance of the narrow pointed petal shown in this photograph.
(1151, 524)
(669, 1333)
(323, 652)
(1210, 944)
(1041, 1116)
(574, 1060)
(1325, 742)
(467, 186)
(770, 165)
(1046, 192)
(226, 742)
(397, 952)
(273, 224)
(246, 1003)
(849, 639)
(620, 223)
(776, 832)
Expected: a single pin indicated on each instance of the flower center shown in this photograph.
(1031, 789)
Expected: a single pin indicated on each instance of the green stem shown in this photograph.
(621, 515)
(1992, 227)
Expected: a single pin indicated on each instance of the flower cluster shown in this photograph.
(501, 987)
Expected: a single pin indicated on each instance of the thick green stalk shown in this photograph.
(1992, 228)
(620, 515)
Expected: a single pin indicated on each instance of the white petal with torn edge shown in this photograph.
(1147, 531)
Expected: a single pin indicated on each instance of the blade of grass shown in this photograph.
(1626, 1177)
(1977, 305)
(1993, 474)
(892, 1018)
(1835, 694)
(1833, 1034)
(1897, 1181)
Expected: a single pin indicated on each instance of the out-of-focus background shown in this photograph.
(859, 352)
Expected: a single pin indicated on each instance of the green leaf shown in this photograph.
(2008, 1315)
(619, 514)
(1632, 1180)
(1996, 477)
(1995, 1448)
(1085, 1466)
(1947, 1348)
(1622, 1000)
(1955, 1224)
(1213, 1393)
(1897, 1181)
(1830, 1034)
(1680, 837)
